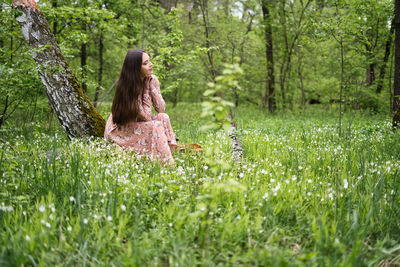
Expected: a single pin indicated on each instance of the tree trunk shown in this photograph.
(299, 71)
(396, 118)
(101, 63)
(270, 88)
(282, 69)
(54, 4)
(340, 41)
(84, 60)
(76, 113)
(167, 5)
(396, 104)
(382, 70)
(370, 71)
(204, 12)
(3, 115)
(12, 41)
(285, 69)
(1, 40)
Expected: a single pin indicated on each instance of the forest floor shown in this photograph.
(301, 195)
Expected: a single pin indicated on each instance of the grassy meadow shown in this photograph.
(301, 196)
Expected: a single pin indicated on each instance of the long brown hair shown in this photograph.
(130, 87)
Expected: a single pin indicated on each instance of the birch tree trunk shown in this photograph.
(76, 113)
(396, 103)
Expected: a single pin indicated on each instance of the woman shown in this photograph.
(131, 124)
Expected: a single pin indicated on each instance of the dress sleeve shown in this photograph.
(146, 116)
(155, 93)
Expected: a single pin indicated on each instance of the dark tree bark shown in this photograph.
(270, 88)
(396, 118)
(3, 115)
(1, 40)
(76, 113)
(101, 64)
(204, 12)
(370, 71)
(54, 4)
(192, 8)
(382, 70)
(396, 103)
(285, 57)
(167, 5)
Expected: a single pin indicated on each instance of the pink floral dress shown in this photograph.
(154, 136)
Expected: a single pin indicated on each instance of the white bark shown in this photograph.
(76, 113)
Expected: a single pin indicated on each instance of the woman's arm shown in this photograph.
(155, 93)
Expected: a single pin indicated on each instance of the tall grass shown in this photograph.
(301, 196)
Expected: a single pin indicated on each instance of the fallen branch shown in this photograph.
(238, 151)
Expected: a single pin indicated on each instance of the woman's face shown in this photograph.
(147, 66)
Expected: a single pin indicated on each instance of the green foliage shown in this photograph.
(216, 108)
(20, 85)
(168, 54)
(302, 196)
(175, 38)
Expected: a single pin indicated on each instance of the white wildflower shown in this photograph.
(42, 208)
(345, 184)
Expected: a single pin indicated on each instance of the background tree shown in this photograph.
(182, 37)
(18, 86)
(396, 104)
(269, 96)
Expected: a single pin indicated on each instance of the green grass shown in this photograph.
(301, 196)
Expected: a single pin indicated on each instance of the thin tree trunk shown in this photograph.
(204, 11)
(282, 69)
(396, 104)
(341, 69)
(76, 113)
(3, 116)
(286, 65)
(1, 40)
(270, 88)
(84, 60)
(11, 41)
(101, 63)
(54, 4)
(390, 86)
(299, 71)
(341, 84)
(382, 71)
(143, 25)
(370, 71)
